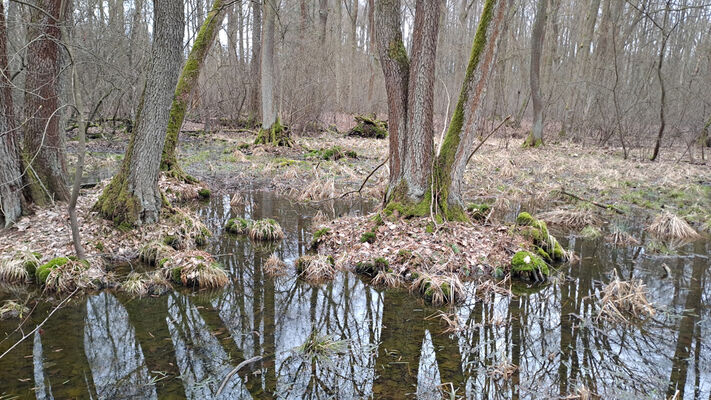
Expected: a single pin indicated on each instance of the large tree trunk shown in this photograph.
(255, 105)
(133, 198)
(535, 138)
(457, 145)
(11, 198)
(272, 132)
(186, 84)
(410, 92)
(396, 69)
(44, 141)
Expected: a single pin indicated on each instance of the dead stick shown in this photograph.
(605, 206)
(234, 371)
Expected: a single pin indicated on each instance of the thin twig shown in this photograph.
(605, 206)
(235, 370)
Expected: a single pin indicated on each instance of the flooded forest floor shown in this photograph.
(350, 336)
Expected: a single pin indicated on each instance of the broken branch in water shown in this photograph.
(605, 206)
(234, 371)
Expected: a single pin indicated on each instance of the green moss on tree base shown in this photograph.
(277, 135)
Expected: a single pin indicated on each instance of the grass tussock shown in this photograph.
(669, 226)
(266, 229)
(74, 274)
(450, 321)
(316, 268)
(387, 278)
(321, 347)
(623, 301)
(502, 371)
(619, 236)
(438, 288)
(155, 253)
(20, 268)
(274, 266)
(12, 309)
(195, 269)
(571, 218)
(319, 219)
(135, 284)
(189, 228)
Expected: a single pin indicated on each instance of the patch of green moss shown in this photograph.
(479, 212)
(430, 228)
(525, 263)
(368, 237)
(173, 241)
(237, 226)
(175, 275)
(204, 193)
(43, 271)
(318, 235)
(378, 219)
(381, 263)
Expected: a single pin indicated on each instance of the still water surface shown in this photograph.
(182, 345)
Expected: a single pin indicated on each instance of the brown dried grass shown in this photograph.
(274, 266)
(669, 226)
(572, 218)
(316, 268)
(624, 301)
(70, 276)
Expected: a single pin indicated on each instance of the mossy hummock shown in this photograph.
(537, 231)
(529, 266)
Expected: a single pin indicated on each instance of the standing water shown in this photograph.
(347, 339)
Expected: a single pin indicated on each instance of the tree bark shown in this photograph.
(255, 104)
(11, 197)
(535, 138)
(272, 132)
(456, 147)
(186, 84)
(133, 198)
(44, 141)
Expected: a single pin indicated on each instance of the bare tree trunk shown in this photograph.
(662, 105)
(535, 138)
(256, 59)
(186, 84)
(396, 69)
(271, 132)
(44, 141)
(418, 154)
(457, 145)
(11, 197)
(133, 198)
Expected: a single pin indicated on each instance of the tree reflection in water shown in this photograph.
(185, 343)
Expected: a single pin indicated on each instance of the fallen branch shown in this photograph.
(362, 185)
(508, 117)
(235, 370)
(605, 206)
(40, 324)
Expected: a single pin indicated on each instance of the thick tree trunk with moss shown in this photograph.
(133, 198)
(410, 92)
(272, 132)
(535, 137)
(43, 139)
(186, 84)
(468, 114)
(11, 198)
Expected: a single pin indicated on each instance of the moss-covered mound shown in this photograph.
(529, 266)
(195, 269)
(537, 231)
(65, 274)
(369, 127)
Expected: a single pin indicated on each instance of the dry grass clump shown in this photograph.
(74, 274)
(571, 218)
(438, 288)
(12, 309)
(155, 253)
(316, 268)
(387, 278)
(236, 200)
(135, 284)
(451, 321)
(20, 268)
(620, 237)
(190, 228)
(266, 229)
(318, 189)
(670, 226)
(274, 266)
(624, 300)
(319, 219)
(195, 268)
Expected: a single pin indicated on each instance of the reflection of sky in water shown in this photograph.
(115, 358)
(389, 349)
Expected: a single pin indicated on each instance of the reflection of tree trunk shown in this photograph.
(516, 338)
(567, 307)
(150, 335)
(692, 307)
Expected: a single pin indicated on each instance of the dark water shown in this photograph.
(183, 344)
